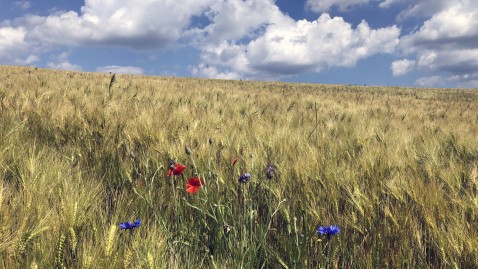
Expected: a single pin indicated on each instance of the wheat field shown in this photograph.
(396, 169)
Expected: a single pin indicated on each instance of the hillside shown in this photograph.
(396, 169)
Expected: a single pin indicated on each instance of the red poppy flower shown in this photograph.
(234, 161)
(178, 170)
(193, 184)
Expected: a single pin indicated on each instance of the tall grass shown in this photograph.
(395, 168)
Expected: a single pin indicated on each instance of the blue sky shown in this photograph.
(415, 43)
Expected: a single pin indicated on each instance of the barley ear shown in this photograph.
(60, 247)
(1, 196)
(75, 214)
(110, 240)
(87, 261)
(150, 260)
(95, 235)
(26, 237)
(127, 261)
(72, 238)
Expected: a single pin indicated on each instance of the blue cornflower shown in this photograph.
(328, 230)
(244, 178)
(130, 226)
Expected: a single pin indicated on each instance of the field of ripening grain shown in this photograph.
(162, 172)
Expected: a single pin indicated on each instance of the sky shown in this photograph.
(410, 43)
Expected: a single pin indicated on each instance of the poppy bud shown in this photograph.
(172, 164)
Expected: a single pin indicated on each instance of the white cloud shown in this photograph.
(433, 81)
(291, 47)
(456, 61)
(61, 62)
(241, 38)
(236, 19)
(389, 3)
(402, 67)
(24, 5)
(469, 84)
(447, 43)
(65, 65)
(320, 6)
(465, 81)
(460, 81)
(132, 70)
(454, 25)
(14, 49)
(130, 23)
(207, 71)
(11, 37)
(410, 8)
(416, 8)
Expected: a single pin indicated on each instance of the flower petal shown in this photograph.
(126, 225)
(193, 184)
(192, 189)
(178, 170)
(196, 181)
(328, 230)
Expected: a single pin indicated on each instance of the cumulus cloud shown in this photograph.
(65, 65)
(205, 70)
(433, 81)
(457, 61)
(14, 49)
(129, 23)
(228, 20)
(272, 45)
(62, 62)
(469, 84)
(131, 70)
(460, 81)
(455, 26)
(325, 5)
(241, 38)
(446, 43)
(289, 47)
(402, 67)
